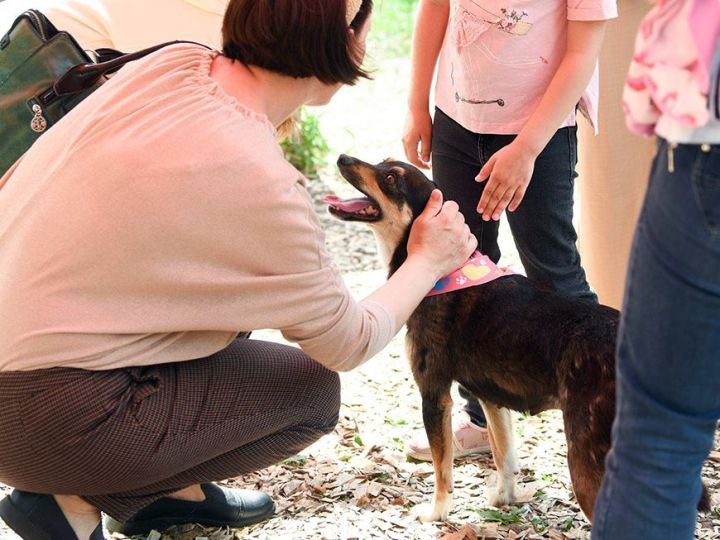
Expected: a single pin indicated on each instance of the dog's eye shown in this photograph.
(390, 178)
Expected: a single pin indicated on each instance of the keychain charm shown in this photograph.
(38, 124)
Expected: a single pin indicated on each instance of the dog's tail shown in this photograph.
(704, 502)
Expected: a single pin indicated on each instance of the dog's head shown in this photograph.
(395, 193)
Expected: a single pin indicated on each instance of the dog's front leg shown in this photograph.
(503, 450)
(437, 410)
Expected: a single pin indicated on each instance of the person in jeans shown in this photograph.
(143, 237)
(668, 355)
(510, 77)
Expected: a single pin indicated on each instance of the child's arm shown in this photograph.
(428, 36)
(509, 170)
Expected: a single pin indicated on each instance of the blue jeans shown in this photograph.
(668, 371)
(542, 226)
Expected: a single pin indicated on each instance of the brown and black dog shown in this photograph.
(513, 344)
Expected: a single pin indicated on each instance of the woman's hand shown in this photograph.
(439, 243)
(508, 173)
(417, 137)
(440, 239)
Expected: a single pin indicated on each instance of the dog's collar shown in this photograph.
(477, 270)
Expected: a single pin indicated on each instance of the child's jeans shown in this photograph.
(668, 372)
(541, 226)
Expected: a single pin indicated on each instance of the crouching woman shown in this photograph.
(143, 237)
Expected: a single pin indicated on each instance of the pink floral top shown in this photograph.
(667, 82)
(499, 57)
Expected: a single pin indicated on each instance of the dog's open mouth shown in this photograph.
(357, 209)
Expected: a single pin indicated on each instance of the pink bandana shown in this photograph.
(477, 270)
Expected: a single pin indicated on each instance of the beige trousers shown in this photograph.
(613, 166)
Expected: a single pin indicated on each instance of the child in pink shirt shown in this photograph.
(510, 76)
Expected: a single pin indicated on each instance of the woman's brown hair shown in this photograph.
(298, 38)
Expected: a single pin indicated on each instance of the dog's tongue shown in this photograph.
(347, 205)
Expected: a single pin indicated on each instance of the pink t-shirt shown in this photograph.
(499, 56)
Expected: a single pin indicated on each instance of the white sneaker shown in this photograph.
(467, 439)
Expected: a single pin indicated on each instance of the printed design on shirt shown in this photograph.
(513, 23)
(470, 25)
(490, 28)
(500, 102)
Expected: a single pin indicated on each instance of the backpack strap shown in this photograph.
(84, 76)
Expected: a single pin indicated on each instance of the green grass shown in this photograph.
(307, 148)
(540, 524)
(297, 460)
(391, 34)
(514, 515)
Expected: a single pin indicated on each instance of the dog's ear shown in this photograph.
(388, 160)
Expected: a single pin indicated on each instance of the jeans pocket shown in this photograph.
(559, 157)
(706, 186)
(452, 140)
(572, 150)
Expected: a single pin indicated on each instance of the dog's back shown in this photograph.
(513, 342)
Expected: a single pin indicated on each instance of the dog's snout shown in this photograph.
(345, 160)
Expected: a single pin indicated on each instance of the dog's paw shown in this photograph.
(427, 513)
(501, 496)
(438, 510)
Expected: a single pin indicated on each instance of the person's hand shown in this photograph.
(440, 238)
(508, 173)
(417, 138)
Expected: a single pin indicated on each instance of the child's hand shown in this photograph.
(417, 138)
(509, 171)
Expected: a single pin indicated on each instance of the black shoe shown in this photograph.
(38, 517)
(222, 507)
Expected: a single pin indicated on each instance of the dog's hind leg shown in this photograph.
(503, 451)
(437, 410)
(586, 468)
(588, 407)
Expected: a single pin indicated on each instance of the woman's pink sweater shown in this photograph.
(156, 221)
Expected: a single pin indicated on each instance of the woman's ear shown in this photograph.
(359, 38)
(365, 28)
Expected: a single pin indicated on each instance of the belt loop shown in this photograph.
(480, 150)
(671, 157)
